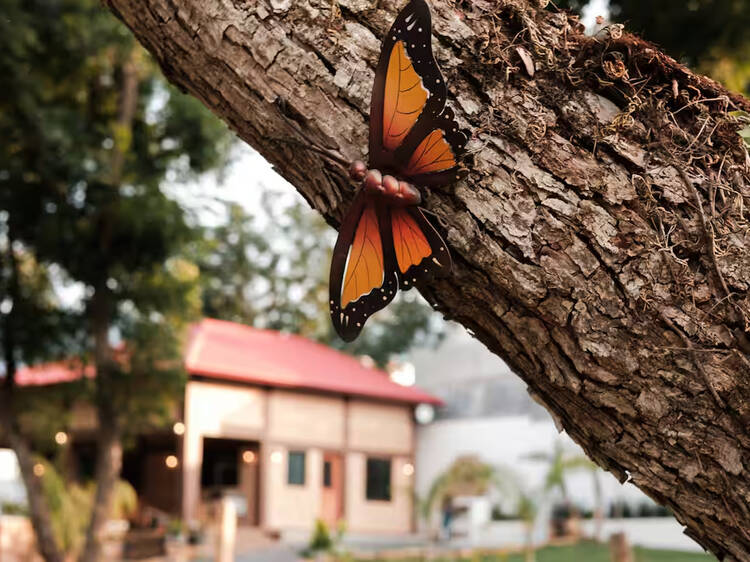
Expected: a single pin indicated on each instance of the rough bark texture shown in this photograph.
(600, 241)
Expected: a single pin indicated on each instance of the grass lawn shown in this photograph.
(590, 552)
(584, 552)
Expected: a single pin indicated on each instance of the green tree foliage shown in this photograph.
(80, 171)
(61, 118)
(90, 131)
(711, 36)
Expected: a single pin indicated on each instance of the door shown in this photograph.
(331, 509)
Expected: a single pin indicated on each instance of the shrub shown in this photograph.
(321, 537)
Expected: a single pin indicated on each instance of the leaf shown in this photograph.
(745, 135)
(528, 62)
(742, 115)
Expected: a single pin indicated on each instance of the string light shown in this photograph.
(248, 457)
(38, 470)
(61, 438)
(408, 469)
(171, 461)
(179, 428)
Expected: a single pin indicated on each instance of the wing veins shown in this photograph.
(351, 274)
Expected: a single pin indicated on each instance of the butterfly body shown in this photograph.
(395, 192)
(385, 241)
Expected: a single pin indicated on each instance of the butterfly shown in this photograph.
(386, 242)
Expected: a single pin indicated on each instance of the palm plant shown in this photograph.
(468, 476)
(561, 462)
(527, 509)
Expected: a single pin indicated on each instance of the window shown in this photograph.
(379, 479)
(296, 473)
(326, 474)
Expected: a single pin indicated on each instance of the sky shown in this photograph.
(244, 181)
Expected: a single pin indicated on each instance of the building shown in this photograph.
(290, 429)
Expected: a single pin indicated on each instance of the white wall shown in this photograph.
(11, 486)
(506, 441)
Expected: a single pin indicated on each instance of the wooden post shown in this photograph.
(620, 548)
(227, 530)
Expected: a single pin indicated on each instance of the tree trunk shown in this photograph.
(529, 549)
(108, 467)
(39, 511)
(108, 443)
(599, 241)
(109, 435)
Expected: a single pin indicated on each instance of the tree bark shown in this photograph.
(39, 511)
(600, 241)
(109, 438)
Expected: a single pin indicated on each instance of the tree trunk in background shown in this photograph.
(108, 467)
(39, 511)
(108, 442)
(109, 436)
(600, 241)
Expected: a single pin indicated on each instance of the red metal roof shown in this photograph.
(235, 352)
(229, 351)
(53, 373)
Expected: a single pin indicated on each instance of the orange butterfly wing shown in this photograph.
(433, 154)
(414, 136)
(420, 251)
(405, 97)
(408, 108)
(409, 242)
(362, 279)
(364, 265)
(408, 87)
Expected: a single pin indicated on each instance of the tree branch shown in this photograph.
(561, 265)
